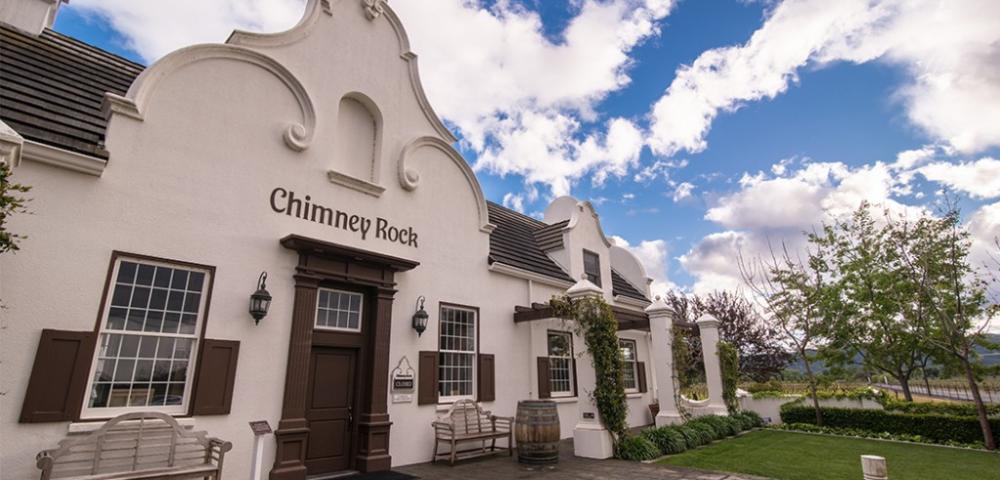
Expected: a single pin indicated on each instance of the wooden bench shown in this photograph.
(466, 422)
(140, 445)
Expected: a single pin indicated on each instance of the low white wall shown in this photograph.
(770, 408)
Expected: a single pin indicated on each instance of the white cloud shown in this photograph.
(953, 86)
(653, 254)
(658, 169)
(514, 201)
(155, 28)
(683, 191)
(980, 179)
(531, 112)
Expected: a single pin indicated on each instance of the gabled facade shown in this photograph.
(161, 194)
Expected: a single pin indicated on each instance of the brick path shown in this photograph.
(502, 467)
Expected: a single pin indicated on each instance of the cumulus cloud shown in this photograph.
(980, 179)
(654, 256)
(532, 111)
(683, 191)
(948, 49)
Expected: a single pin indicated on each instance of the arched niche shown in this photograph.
(357, 141)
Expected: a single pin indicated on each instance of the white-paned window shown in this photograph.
(561, 364)
(148, 338)
(629, 364)
(592, 267)
(457, 353)
(338, 310)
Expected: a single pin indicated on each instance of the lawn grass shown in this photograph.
(797, 456)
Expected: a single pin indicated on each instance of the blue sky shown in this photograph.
(807, 108)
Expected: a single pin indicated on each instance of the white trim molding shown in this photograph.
(409, 178)
(11, 144)
(503, 268)
(61, 158)
(632, 302)
(363, 186)
(297, 135)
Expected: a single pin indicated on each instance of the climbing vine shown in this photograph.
(729, 363)
(596, 323)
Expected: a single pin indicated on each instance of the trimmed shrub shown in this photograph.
(706, 432)
(691, 436)
(667, 439)
(937, 428)
(956, 409)
(854, 432)
(721, 426)
(636, 448)
(748, 419)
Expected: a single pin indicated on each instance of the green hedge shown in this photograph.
(939, 428)
(957, 409)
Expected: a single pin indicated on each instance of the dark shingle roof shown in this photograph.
(550, 237)
(52, 86)
(513, 243)
(620, 286)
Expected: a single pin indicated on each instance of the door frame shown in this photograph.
(327, 264)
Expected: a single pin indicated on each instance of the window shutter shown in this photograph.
(427, 378)
(641, 374)
(544, 386)
(58, 381)
(573, 362)
(213, 385)
(487, 381)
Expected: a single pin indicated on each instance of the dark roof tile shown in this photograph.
(513, 243)
(52, 87)
(621, 286)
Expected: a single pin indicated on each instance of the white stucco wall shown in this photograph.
(191, 181)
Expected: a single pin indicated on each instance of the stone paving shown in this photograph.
(502, 467)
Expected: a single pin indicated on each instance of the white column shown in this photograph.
(709, 328)
(590, 438)
(661, 323)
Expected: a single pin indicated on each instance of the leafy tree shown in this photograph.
(11, 201)
(761, 354)
(953, 294)
(873, 313)
(793, 293)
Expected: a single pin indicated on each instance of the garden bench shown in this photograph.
(140, 445)
(467, 422)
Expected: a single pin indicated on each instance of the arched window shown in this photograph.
(358, 138)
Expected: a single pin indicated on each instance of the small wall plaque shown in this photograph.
(260, 427)
(403, 377)
(588, 415)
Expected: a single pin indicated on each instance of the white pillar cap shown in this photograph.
(584, 288)
(659, 308)
(707, 321)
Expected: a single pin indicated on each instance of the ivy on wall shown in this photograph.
(595, 322)
(729, 363)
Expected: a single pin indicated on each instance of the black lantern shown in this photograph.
(420, 318)
(260, 301)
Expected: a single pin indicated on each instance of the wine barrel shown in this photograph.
(537, 432)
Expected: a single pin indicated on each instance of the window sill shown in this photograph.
(90, 426)
(564, 399)
(633, 395)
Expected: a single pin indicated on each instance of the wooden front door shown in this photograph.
(330, 409)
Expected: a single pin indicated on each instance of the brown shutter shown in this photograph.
(213, 388)
(59, 376)
(573, 362)
(641, 367)
(487, 382)
(427, 378)
(544, 387)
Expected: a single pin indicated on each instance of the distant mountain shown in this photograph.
(987, 357)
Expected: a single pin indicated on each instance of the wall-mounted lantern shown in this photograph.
(260, 301)
(420, 318)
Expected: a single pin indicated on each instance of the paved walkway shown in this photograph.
(502, 467)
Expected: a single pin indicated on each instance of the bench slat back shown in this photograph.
(467, 417)
(131, 442)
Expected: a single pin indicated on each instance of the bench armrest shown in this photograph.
(222, 445)
(504, 423)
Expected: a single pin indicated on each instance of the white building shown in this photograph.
(161, 194)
